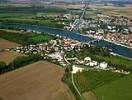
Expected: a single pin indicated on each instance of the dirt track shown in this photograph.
(38, 81)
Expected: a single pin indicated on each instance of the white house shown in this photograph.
(93, 63)
(103, 65)
(87, 59)
(56, 55)
(76, 69)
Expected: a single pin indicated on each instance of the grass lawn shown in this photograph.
(117, 90)
(89, 80)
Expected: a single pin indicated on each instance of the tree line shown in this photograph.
(18, 62)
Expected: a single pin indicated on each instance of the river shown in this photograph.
(120, 50)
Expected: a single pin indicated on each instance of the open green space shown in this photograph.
(27, 38)
(117, 90)
(89, 80)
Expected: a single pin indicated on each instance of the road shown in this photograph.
(72, 77)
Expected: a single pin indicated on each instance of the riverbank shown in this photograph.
(107, 41)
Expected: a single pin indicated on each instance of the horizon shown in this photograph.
(26, 1)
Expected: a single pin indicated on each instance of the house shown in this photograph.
(100, 31)
(67, 16)
(125, 31)
(103, 65)
(87, 59)
(56, 55)
(76, 69)
(93, 63)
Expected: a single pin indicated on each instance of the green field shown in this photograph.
(27, 15)
(118, 90)
(16, 15)
(46, 22)
(89, 80)
(26, 38)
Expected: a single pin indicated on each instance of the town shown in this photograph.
(116, 29)
(56, 51)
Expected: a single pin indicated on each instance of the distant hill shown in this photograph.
(23, 1)
(39, 1)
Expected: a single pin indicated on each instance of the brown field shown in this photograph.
(38, 81)
(7, 44)
(73, 6)
(8, 57)
(112, 10)
(89, 96)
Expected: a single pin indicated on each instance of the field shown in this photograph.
(100, 8)
(87, 81)
(25, 39)
(38, 81)
(7, 44)
(117, 90)
(113, 10)
(69, 6)
(24, 16)
(8, 57)
(89, 96)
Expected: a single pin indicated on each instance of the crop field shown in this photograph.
(8, 57)
(113, 10)
(38, 81)
(117, 90)
(69, 6)
(7, 44)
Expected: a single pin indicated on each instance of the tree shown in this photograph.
(2, 66)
